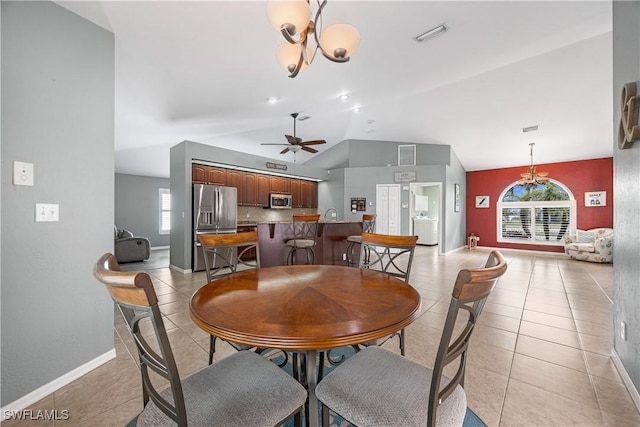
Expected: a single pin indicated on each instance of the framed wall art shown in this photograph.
(594, 199)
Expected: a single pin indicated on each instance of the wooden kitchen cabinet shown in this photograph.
(296, 193)
(217, 176)
(234, 179)
(263, 190)
(309, 192)
(279, 184)
(249, 189)
(199, 174)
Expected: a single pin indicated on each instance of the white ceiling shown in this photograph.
(203, 71)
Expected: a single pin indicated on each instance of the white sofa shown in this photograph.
(595, 245)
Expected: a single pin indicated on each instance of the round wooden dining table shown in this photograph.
(305, 308)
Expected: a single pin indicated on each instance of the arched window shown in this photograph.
(539, 214)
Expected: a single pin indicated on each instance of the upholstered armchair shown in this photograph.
(130, 248)
(595, 245)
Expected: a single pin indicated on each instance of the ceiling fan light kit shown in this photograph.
(296, 144)
(292, 18)
(532, 176)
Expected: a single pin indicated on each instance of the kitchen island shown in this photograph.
(331, 244)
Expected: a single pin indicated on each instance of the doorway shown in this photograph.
(388, 209)
(425, 206)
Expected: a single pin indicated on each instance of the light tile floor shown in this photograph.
(540, 355)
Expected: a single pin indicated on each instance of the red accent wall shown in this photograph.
(579, 176)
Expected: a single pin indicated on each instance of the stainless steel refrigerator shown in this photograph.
(215, 210)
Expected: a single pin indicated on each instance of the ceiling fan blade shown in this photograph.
(315, 142)
(309, 149)
(292, 140)
(543, 173)
(285, 150)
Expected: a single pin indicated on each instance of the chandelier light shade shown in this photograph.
(339, 41)
(532, 176)
(292, 18)
(289, 56)
(291, 15)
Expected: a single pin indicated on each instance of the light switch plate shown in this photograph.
(22, 173)
(47, 212)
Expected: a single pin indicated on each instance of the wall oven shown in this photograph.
(280, 201)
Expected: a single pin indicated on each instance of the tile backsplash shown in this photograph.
(257, 214)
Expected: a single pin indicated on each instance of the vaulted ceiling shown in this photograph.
(204, 70)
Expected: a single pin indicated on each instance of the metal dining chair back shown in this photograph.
(378, 387)
(305, 234)
(390, 254)
(224, 253)
(235, 390)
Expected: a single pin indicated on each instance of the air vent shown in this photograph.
(530, 129)
(406, 155)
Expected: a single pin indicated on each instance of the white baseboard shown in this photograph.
(179, 270)
(58, 383)
(633, 391)
(157, 248)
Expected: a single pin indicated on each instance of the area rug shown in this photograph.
(470, 419)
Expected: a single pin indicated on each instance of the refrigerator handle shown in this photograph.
(220, 201)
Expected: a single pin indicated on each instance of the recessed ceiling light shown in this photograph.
(344, 97)
(356, 110)
(429, 34)
(530, 129)
(272, 100)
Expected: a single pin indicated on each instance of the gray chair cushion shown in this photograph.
(377, 387)
(301, 243)
(243, 389)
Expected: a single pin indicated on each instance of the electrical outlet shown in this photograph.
(344, 257)
(623, 331)
(22, 173)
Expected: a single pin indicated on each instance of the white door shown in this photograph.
(388, 209)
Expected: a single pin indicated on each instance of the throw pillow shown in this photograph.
(586, 236)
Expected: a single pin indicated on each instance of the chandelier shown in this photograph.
(292, 18)
(532, 176)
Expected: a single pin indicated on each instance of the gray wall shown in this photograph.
(626, 214)
(455, 223)
(137, 204)
(57, 113)
(368, 166)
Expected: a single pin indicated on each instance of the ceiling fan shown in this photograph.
(532, 176)
(296, 144)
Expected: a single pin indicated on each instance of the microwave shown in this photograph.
(280, 201)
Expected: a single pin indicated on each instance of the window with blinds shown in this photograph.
(540, 215)
(165, 211)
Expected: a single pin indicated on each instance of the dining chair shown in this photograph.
(377, 387)
(390, 254)
(224, 253)
(368, 226)
(241, 389)
(305, 234)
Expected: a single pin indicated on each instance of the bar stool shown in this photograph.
(368, 226)
(305, 233)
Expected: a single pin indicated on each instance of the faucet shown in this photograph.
(333, 212)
